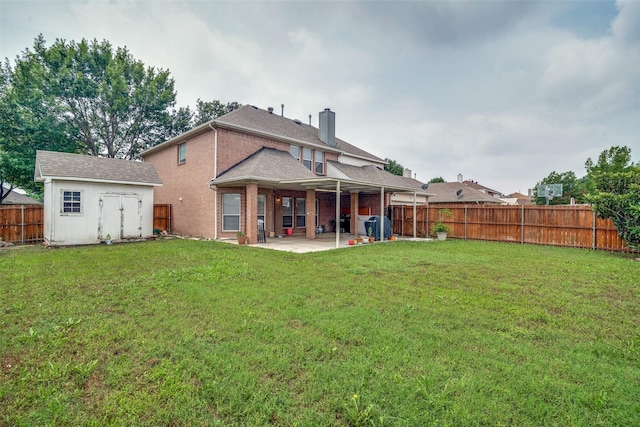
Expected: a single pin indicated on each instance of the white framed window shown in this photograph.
(301, 213)
(294, 150)
(231, 212)
(182, 153)
(262, 206)
(319, 157)
(287, 212)
(71, 202)
(307, 157)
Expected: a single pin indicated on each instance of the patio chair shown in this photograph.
(262, 236)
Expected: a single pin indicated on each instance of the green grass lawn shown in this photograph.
(401, 334)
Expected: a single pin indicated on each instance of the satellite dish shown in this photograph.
(425, 186)
(459, 192)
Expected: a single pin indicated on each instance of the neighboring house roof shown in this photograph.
(480, 187)
(261, 122)
(446, 192)
(79, 167)
(266, 164)
(16, 198)
(517, 199)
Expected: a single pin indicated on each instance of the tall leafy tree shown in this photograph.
(393, 167)
(436, 179)
(616, 196)
(84, 97)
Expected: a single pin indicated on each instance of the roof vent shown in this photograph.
(254, 107)
(270, 110)
(298, 122)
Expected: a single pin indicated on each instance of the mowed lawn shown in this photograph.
(180, 332)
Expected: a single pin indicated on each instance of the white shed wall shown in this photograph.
(85, 227)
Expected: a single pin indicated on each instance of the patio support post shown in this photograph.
(337, 214)
(311, 214)
(251, 213)
(354, 208)
(381, 214)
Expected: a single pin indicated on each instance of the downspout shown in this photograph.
(215, 175)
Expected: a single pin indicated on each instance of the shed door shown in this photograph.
(120, 216)
(131, 218)
(110, 216)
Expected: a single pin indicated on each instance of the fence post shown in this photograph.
(22, 225)
(522, 224)
(593, 245)
(465, 222)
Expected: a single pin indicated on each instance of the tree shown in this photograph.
(393, 167)
(84, 97)
(572, 187)
(615, 159)
(436, 179)
(616, 196)
(209, 110)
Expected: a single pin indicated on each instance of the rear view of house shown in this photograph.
(91, 199)
(252, 167)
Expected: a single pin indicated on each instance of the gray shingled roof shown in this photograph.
(374, 175)
(445, 192)
(67, 166)
(258, 121)
(266, 164)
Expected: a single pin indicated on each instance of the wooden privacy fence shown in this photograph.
(21, 224)
(24, 224)
(572, 226)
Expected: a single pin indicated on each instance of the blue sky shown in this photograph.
(501, 92)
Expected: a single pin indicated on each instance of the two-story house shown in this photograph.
(251, 164)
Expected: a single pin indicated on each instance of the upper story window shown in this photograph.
(294, 150)
(319, 163)
(307, 157)
(182, 153)
(71, 202)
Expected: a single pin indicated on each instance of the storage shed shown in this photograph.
(90, 199)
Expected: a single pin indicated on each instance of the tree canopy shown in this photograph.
(393, 167)
(86, 97)
(616, 196)
(436, 179)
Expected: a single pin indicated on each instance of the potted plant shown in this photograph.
(438, 227)
(242, 239)
(370, 232)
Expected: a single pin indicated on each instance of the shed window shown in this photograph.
(71, 202)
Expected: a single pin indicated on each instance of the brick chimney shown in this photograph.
(327, 127)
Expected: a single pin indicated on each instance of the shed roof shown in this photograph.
(79, 167)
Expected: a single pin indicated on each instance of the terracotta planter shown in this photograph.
(372, 239)
(242, 240)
